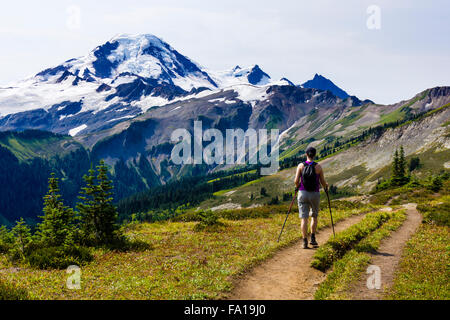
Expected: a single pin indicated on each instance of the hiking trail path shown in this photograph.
(289, 276)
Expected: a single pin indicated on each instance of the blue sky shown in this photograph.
(293, 39)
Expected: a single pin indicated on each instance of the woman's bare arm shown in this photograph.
(323, 182)
(297, 176)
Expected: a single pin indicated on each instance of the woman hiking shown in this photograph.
(307, 180)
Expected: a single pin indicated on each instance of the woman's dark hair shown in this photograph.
(311, 152)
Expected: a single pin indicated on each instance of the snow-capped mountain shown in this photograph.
(121, 79)
(236, 76)
(118, 80)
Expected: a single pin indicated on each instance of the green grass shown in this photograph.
(424, 272)
(400, 113)
(12, 292)
(424, 269)
(346, 271)
(335, 248)
(27, 148)
(438, 213)
(234, 175)
(183, 263)
(397, 114)
(351, 118)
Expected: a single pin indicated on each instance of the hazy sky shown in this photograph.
(292, 39)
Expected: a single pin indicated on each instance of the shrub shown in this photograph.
(208, 221)
(187, 217)
(58, 257)
(6, 240)
(436, 184)
(125, 244)
(438, 214)
(287, 196)
(274, 201)
(263, 192)
(414, 163)
(11, 292)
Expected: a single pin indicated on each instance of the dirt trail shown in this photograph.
(388, 256)
(287, 275)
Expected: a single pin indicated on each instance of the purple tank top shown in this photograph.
(302, 188)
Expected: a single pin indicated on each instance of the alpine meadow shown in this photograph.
(135, 173)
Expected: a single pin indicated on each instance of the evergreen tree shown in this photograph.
(399, 168)
(86, 208)
(107, 212)
(57, 227)
(98, 214)
(395, 167)
(414, 164)
(263, 192)
(22, 236)
(6, 239)
(402, 164)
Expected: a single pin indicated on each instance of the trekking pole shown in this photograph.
(289, 211)
(329, 206)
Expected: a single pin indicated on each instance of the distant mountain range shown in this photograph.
(118, 80)
(123, 100)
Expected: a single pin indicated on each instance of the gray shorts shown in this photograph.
(308, 200)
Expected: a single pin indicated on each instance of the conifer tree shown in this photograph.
(98, 214)
(395, 167)
(107, 212)
(57, 227)
(402, 164)
(22, 236)
(6, 239)
(86, 208)
(399, 167)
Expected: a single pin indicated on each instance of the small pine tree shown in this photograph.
(436, 184)
(399, 168)
(414, 163)
(98, 214)
(22, 235)
(274, 201)
(107, 212)
(263, 192)
(6, 239)
(402, 164)
(57, 227)
(86, 208)
(395, 167)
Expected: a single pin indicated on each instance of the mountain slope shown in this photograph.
(118, 80)
(359, 167)
(138, 150)
(322, 83)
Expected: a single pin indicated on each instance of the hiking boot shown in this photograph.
(305, 243)
(313, 241)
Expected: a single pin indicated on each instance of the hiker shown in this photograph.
(309, 174)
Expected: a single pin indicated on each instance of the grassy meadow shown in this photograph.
(181, 264)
